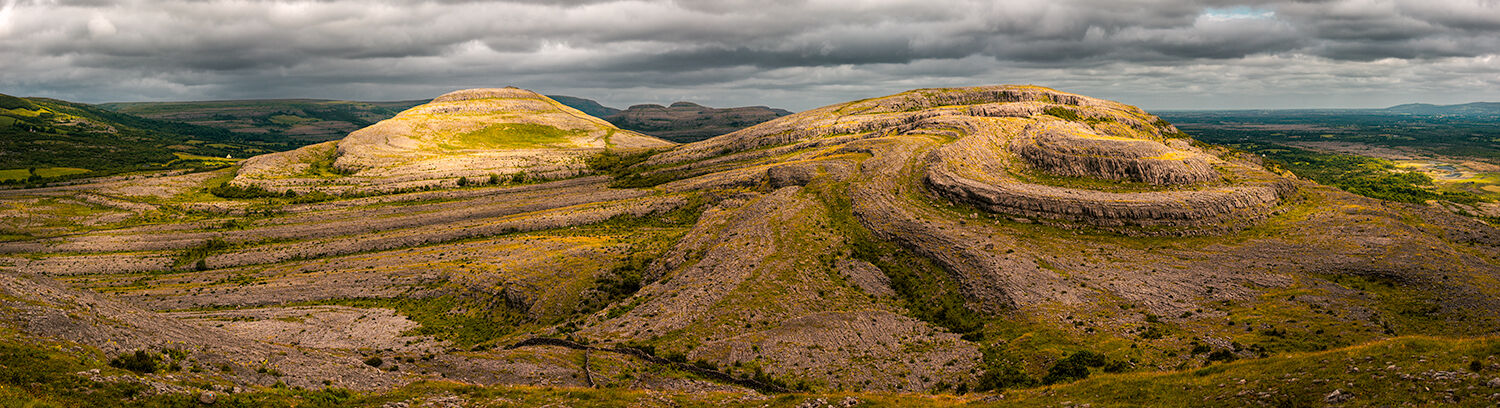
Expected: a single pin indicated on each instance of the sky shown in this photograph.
(794, 54)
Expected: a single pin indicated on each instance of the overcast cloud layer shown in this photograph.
(798, 54)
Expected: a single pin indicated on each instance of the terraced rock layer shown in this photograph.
(1113, 165)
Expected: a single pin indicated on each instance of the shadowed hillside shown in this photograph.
(682, 122)
(295, 122)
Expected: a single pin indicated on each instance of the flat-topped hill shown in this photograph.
(1041, 154)
(468, 133)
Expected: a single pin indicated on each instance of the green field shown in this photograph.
(1275, 136)
(22, 174)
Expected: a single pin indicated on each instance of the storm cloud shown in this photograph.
(790, 53)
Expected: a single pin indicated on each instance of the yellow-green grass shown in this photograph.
(513, 136)
(22, 174)
(189, 156)
(1400, 371)
(1300, 379)
(14, 174)
(200, 193)
(1372, 372)
(288, 120)
(30, 113)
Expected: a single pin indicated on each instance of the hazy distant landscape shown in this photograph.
(1409, 153)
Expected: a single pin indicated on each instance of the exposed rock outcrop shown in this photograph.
(1031, 152)
(1075, 150)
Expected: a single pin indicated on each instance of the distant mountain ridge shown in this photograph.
(589, 106)
(1466, 109)
(682, 122)
(302, 121)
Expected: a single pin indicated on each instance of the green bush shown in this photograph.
(140, 361)
(1064, 113)
(227, 190)
(374, 361)
(1221, 355)
(1000, 375)
(1075, 367)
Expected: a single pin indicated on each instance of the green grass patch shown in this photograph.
(290, 120)
(513, 136)
(14, 174)
(1064, 113)
(39, 173)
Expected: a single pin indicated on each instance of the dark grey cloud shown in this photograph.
(793, 53)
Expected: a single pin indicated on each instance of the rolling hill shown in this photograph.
(48, 139)
(1475, 109)
(481, 133)
(295, 121)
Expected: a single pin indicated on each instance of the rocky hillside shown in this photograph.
(987, 245)
(478, 133)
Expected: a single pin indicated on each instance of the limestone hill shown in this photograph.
(470, 133)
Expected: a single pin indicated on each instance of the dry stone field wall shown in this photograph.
(812, 249)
